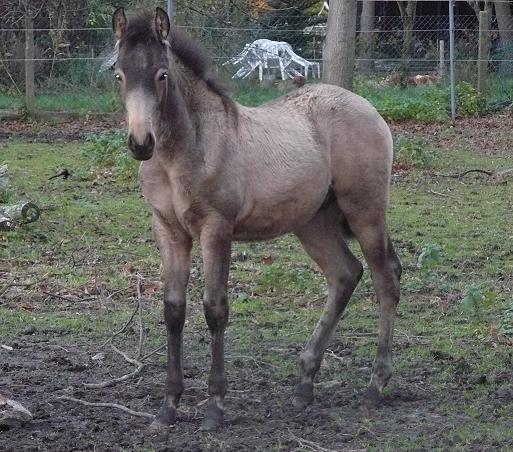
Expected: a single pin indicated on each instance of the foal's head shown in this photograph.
(143, 71)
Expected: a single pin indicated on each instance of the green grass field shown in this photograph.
(71, 275)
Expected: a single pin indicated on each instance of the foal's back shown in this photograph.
(291, 150)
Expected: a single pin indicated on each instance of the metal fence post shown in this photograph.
(441, 63)
(29, 62)
(170, 8)
(451, 60)
(484, 45)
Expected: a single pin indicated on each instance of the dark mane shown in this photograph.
(195, 57)
(191, 53)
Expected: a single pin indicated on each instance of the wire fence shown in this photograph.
(68, 62)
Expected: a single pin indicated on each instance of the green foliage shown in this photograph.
(5, 194)
(395, 103)
(475, 298)
(506, 324)
(108, 150)
(468, 100)
(5, 189)
(429, 257)
(25, 114)
(413, 152)
(423, 103)
(427, 262)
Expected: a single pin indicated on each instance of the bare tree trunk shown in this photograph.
(339, 46)
(505, 23)
(57, 15)
(29, 60)
(408, 12)
(367, 36)
(476, 6)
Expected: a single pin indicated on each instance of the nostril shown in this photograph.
(149, 142)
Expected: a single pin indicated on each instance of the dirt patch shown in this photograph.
(59, 130)
(259, 414)
(489, 135)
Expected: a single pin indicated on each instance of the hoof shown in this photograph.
(165, 417)
(372, 398)
(303, 396)
(157, 427)
(213, 418)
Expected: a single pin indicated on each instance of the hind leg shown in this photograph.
(370, 229)
(323, 241)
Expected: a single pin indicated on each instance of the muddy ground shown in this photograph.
(259, 415)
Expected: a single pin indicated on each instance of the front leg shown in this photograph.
(175, 248)
(216, 249)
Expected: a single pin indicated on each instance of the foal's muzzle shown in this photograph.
(142, 151)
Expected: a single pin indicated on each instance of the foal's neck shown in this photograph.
(186, 109)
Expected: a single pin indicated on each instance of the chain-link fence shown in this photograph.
(68, 62)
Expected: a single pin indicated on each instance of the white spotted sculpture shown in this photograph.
(267, 55)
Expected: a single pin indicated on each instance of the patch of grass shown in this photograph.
(75, 323)
(108, 151)
(76, 102)
(253, 94)
(10, 102)
(456, 252)
(413, 152)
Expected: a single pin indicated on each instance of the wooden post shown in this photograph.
(482, 56)
(29, 61)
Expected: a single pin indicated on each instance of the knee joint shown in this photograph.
(216, 310)
(351, 275)
(174, 314)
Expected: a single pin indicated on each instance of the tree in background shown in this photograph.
(504, 22)
(479, 6)
(408, 11)
(367, 36)
(339, 47)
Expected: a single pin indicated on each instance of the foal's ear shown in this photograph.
(119, 22)
(162, 23)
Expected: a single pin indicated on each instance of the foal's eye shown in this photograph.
(163, 76)
(118, 77)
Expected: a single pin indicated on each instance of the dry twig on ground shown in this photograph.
(125, 377)
(139, 308)
(306, 444)
(109, 405)
(499, 174)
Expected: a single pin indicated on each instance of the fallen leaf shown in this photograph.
(267, 260)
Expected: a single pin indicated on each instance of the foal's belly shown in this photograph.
(260, 220)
